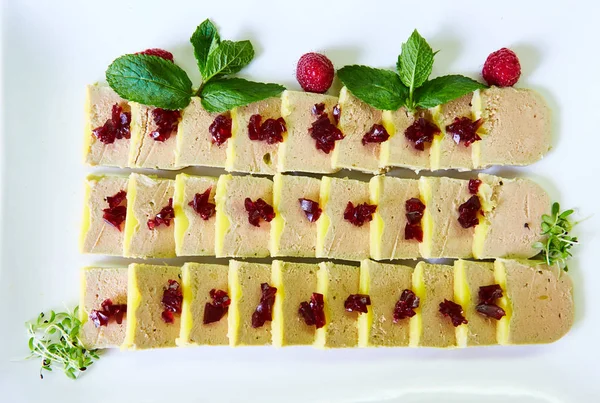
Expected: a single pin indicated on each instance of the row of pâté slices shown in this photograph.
(325, 304)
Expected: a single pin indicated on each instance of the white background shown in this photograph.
(52, 49)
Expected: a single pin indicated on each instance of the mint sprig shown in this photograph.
(153, 81)
(409, 86)
(150, 80)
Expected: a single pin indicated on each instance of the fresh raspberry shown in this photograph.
(502, 68)
(158, 52)
(315, 72)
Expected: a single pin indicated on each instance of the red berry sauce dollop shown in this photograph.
(377, 135)
(311, 209)
(158, 52)
(202, 206)
(220, 130)
(171, 301)
(414, 213)
(357, 303)
(487, 301)
(359, 214)
(213, 312)
(108, 311)
(264, 310)
(406, 305)
(257, 210)
(474, 186)
(421, 132)
(464, 130)
(468, 212)
(454, 311)
(337, 113)
(115, 128)
(313, 312)
(165, 216)
(116, 212)
(323, 131)
(271, 130)
(166, 122)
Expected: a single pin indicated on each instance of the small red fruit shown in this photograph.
(158, 52)
(315, 72)
(502, 68)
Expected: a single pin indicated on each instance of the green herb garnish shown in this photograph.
(556, 227)
(54, 338)
(151, 80)
(409, 86)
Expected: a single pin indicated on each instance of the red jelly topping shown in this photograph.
(166, 122)
(421, 132)
(467, 212)
(406, 305)
(376, 135)
(465, 130)
(487, 301)
(318, 109)
(271, 130)
(357, 303)
(264, 310)
(116, 212)
(165, 216)
(323, 131)
(414, 213)
(115, 128)
(313, 312)
(337, 112)
(360, 214)
(171, 301)
(220, 130)
(311, 209)
(454, 311)
(202, 206)
(474, 186)
(213, 312)
(257, 210)
(107, 311)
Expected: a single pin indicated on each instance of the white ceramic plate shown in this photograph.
(52, 49)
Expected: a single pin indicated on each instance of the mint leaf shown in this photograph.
(444, 89)
(415, 61)
(224, 94)
(150, 80)
(382, 89)
(204, 40)
(227, 58)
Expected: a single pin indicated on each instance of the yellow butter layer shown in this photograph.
(181, 222)
(131, 223)
(83, 314)
(384, 151)
(230, 151)
(233, 314)
(503, 327)
(324, 221)
(377, 224)
(462, 296)
(476, 112)
(222, 222)
(365, 320)
(435, 151)
(278, 222)
(87, 139)
(322, 288)
(426, 221)
(134, 299)
(277, 322)
(187, 321)
(416, 322)
(484, 193)
(86, 219)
